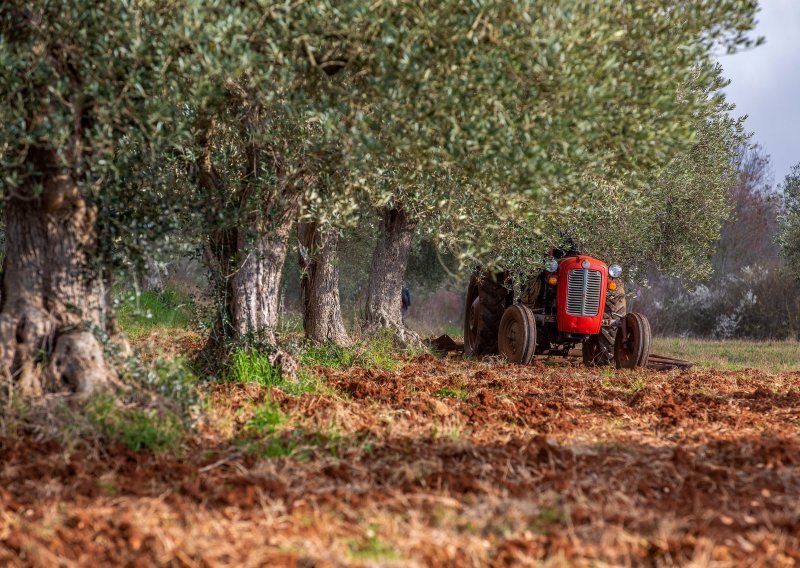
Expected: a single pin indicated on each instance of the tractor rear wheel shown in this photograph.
(517, 336)
(486, 300)
(598, 350)
(633, 342)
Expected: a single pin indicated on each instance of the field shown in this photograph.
(369, 459)
(733, 355)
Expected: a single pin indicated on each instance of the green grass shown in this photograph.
(268, 446)
(138, 429)
(732, 354)
(248, 366)
(378, 352)
(457, 393)
(371, 549)
(253, 366)
(266, 419)
(330, 356)
(138, 315)
(261, 438)
(635, 384)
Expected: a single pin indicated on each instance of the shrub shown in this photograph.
(752, 303)
(377, 352)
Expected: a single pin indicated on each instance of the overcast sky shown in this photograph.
(765, 84)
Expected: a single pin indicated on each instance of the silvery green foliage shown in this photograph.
(514, 104)
(670, 224)
(521, 99)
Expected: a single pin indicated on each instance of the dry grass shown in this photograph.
(733, 354)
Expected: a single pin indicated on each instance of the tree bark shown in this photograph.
(246, 268)
(322, 309)
(385, 285)
(54, 295)
(256, 282)
(154, 276)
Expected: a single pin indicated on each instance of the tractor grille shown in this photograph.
(583, 292)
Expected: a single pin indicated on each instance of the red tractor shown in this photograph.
(576, 299)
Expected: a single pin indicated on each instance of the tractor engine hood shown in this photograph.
(581, 297)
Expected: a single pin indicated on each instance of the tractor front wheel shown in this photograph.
(633, 342)
(517, 335)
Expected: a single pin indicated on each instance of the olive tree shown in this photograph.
(507, 106)
(327, 212)
(81, 81)
(672, 225)
(322, 309)
(106, 108)
(253, 175)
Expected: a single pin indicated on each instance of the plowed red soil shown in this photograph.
(445, 462)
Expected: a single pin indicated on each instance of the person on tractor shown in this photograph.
(405, 301)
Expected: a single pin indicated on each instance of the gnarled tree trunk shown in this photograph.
(385, 285)
(322, 309)
(248, 258)
(256, 282)
(53, 295)
(154, 276)
(247, 267)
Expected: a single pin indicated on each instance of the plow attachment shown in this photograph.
(663, 363)
(446, 344)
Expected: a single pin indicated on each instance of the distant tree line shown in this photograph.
(753, 291)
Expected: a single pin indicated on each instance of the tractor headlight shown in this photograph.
(615, 271)
(551, 265)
